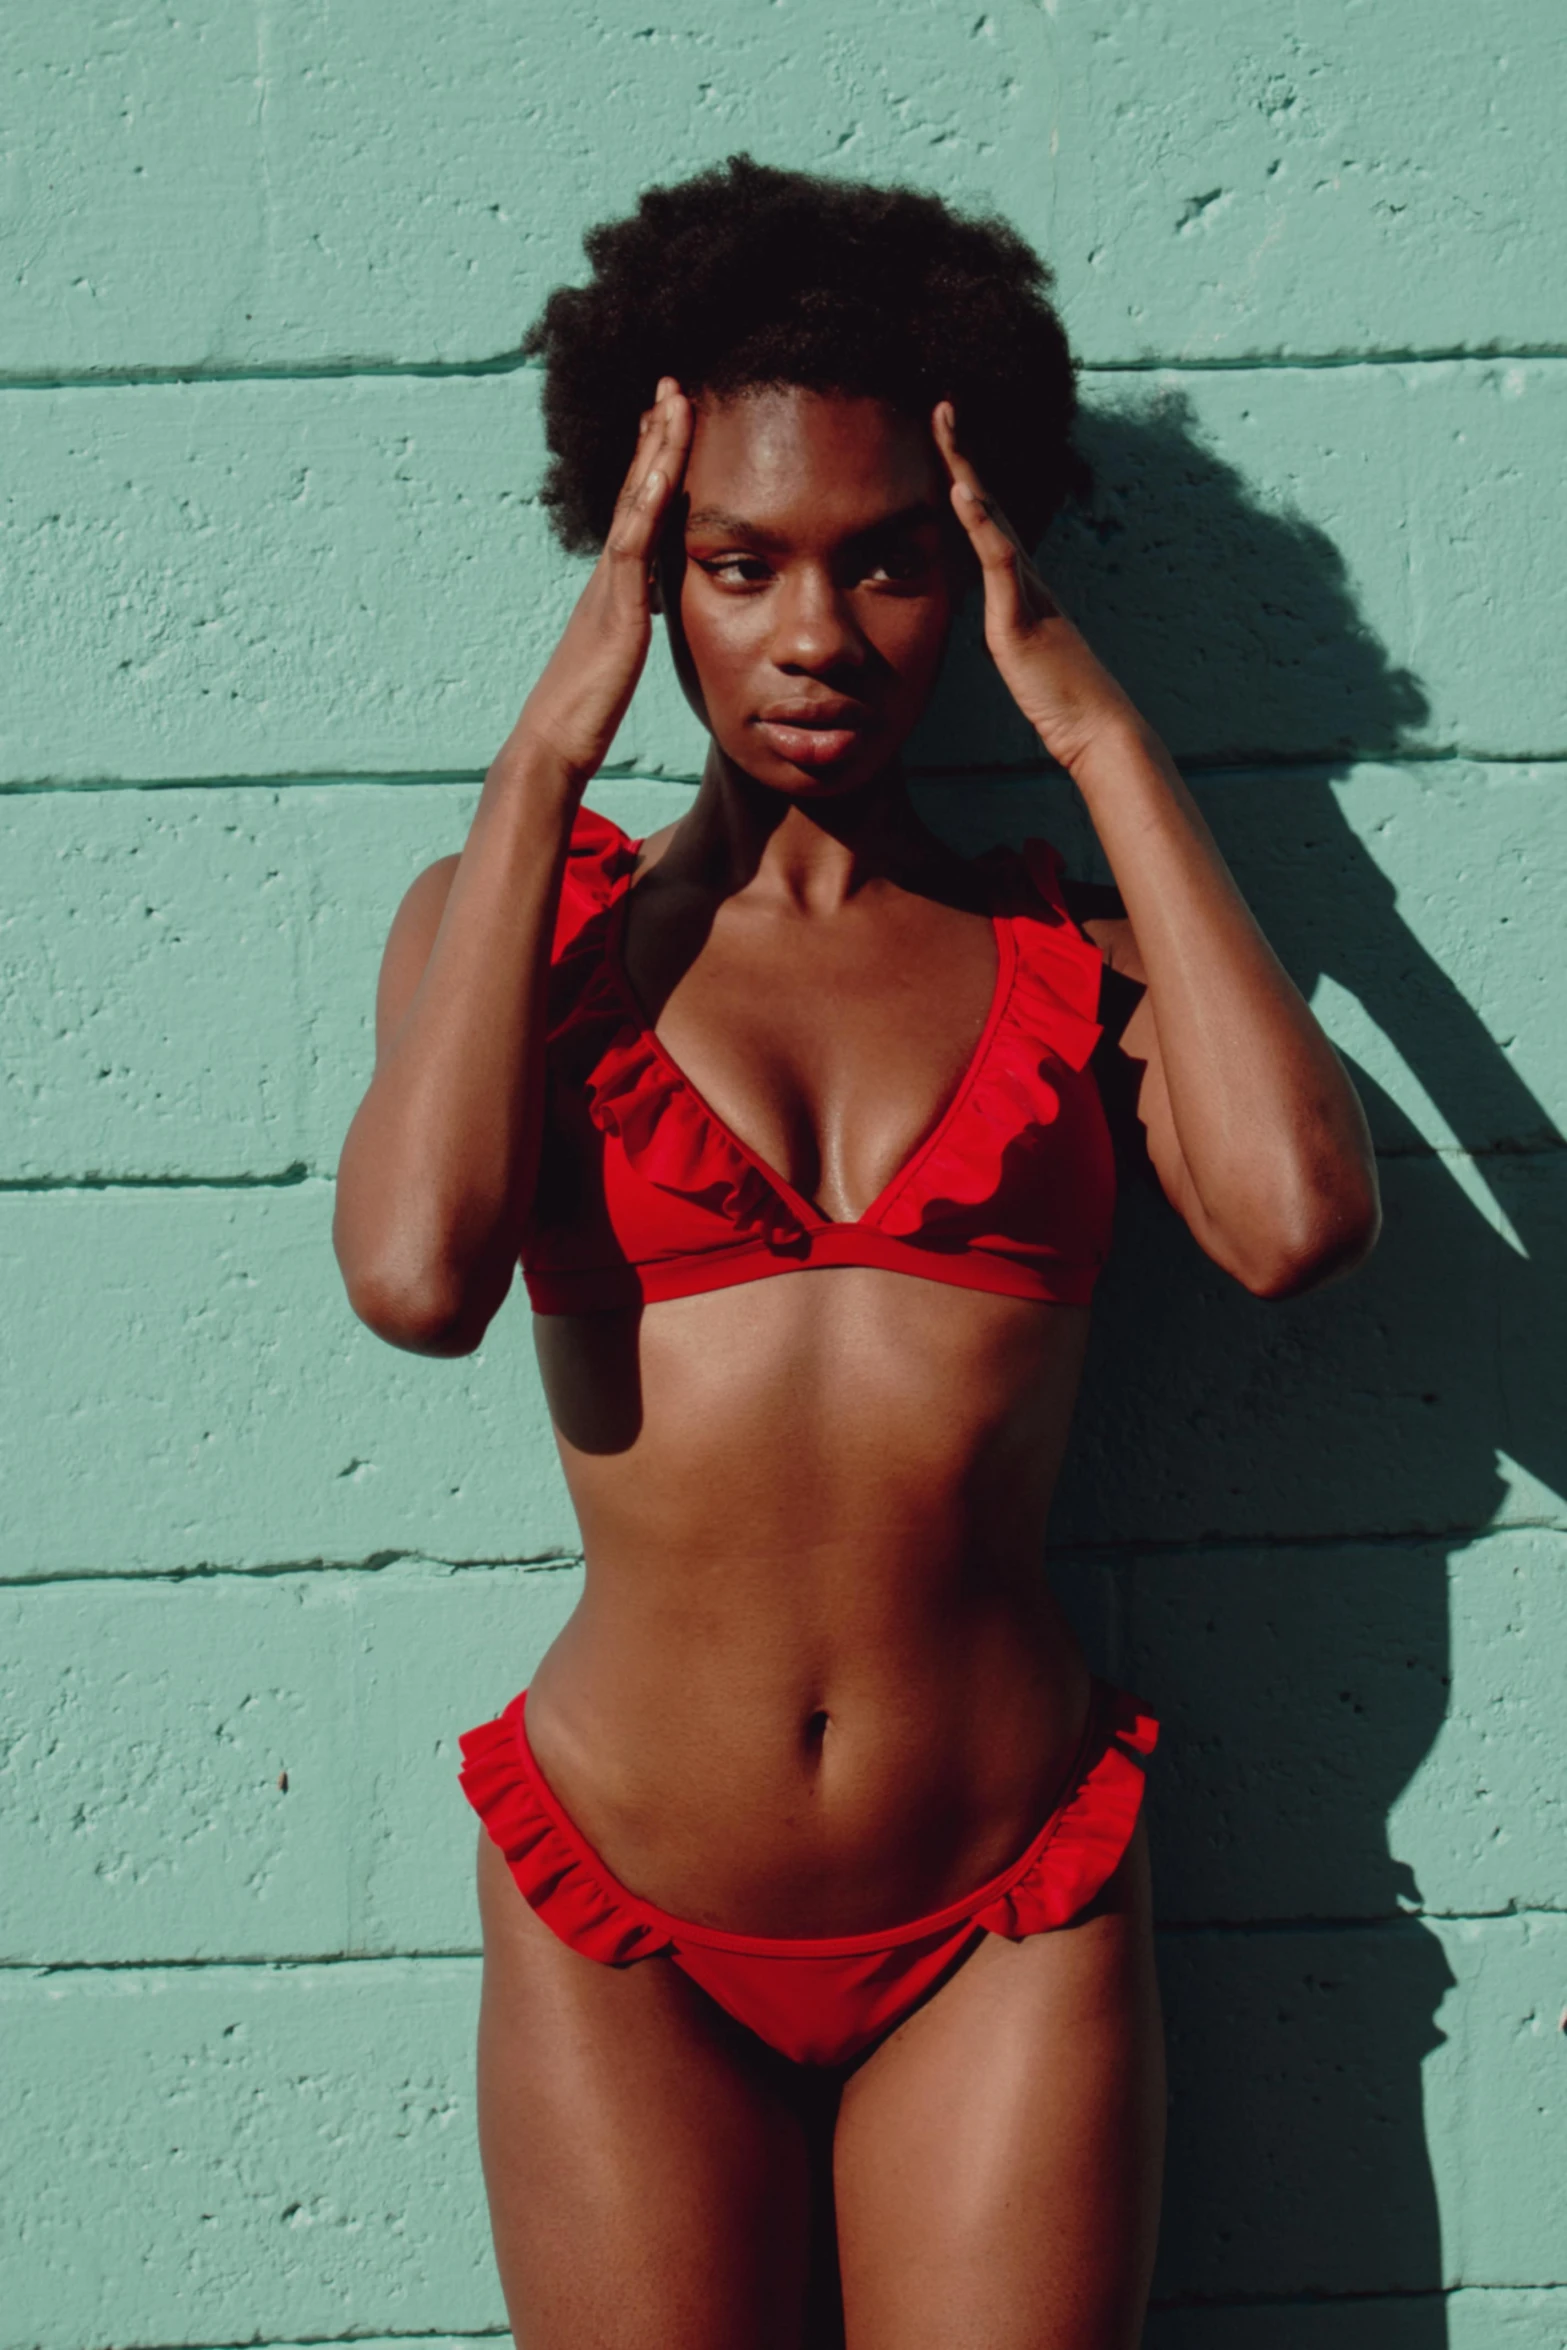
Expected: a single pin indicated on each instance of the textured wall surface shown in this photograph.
(274, 580)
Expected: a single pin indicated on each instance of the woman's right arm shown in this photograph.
(438, 1170)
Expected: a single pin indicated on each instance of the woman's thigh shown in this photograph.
(998, 2159)
(647, 2174)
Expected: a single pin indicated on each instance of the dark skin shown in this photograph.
(815, 1684)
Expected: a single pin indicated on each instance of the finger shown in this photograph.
(642, 454)
(663, 392)
(988, 529)
(1014, 592)
(944, 429)
(643, 502)
(638, 512)
(944, 426)
(991, 535)
(669, 405)
(668, 442)
(681, 424)
(1013, 587)
(644, 458)
(995, 546)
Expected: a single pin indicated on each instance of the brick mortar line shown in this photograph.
(1317, 362)
(196, 374)
(547, 1562)
(1373, 2299)
(383, 2334)
(300, 1176)
(294, 1177)
(1383, 1538)
(1432, 2293)
(199, 377)
(1233, 766)
(391, 2334)
(1222, 767)
(1385, 1922)
(1344, 2300)
(1403, 1924)
(1129, 1551)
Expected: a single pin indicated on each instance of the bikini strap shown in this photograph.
(600, 860)
(1058, 962)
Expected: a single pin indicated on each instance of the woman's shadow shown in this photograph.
(1266, 1502)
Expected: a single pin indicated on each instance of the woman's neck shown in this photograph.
(816, 853)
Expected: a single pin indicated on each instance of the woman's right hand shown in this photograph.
(575, 709)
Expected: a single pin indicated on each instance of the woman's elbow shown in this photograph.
(426, 1309)
(1331, 1231)
(417, 1322)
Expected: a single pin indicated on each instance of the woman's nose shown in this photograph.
(815, 629)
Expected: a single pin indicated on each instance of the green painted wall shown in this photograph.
(274, 580)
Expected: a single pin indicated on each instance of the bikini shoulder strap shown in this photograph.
(600, 860)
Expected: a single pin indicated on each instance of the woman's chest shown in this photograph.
(830, 1046)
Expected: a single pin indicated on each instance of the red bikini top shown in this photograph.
(645, 1194)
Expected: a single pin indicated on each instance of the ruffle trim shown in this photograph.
(551, 1869)
(1050, 1018)
(1066, 1867)
(633, 1090)
(674, 1142)
(600, 860)
(1061, 962)
(1087, 1839)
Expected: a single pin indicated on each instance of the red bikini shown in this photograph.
(645, 1194)
(817, 2001)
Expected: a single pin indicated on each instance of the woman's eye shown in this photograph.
(898, 568)
(736, 570)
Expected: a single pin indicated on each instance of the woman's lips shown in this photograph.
(808, 746)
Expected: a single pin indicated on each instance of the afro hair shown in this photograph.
(746, 277)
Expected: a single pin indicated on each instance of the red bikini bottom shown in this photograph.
(817, 2002)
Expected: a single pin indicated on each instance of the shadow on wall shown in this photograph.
(1266, 1503)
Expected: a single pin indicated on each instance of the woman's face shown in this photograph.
(818, 586)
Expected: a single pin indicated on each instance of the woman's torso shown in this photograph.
(816, 1683)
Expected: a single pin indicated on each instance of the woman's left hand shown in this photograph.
(1067, 696)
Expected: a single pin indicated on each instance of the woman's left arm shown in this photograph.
(1253, 1127)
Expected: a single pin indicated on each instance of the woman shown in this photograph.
(818, 1826)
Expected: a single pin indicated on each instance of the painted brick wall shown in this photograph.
(274, 582)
